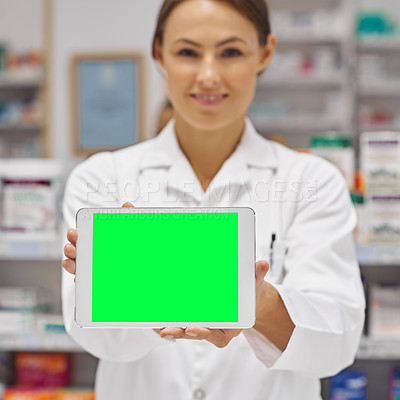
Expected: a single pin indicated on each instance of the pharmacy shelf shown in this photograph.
(14, 246)
(379, 45)
(379, 255)
(308, 39)
(8, 81)
(295, 124)
(23, 128)
(389, 89)
(379, 349)
(38, 342)
(312, 81)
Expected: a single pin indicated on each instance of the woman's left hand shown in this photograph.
(219, 337)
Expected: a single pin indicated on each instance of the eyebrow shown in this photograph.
(232, 39)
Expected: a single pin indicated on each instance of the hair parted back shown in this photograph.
(254, 10)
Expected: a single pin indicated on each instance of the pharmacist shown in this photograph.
(310, 304)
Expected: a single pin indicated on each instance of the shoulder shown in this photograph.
(106, 164)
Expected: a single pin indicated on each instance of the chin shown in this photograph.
(211, 122)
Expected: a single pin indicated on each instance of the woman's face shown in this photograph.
(211, 54)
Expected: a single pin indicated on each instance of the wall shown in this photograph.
(81, 25)
(21, 30)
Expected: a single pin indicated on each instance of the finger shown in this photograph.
(262, 268)
(72, 236)
(127, 205)
(172, 333)
(69, 266)
(70, 251)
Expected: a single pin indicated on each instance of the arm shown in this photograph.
(322, 290)
(86, 187)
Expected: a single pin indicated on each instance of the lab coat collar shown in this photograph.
(253, 151)
(256, 150)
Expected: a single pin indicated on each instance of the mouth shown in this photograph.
(209, 98)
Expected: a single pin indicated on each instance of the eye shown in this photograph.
(231, 53)
(187, 53)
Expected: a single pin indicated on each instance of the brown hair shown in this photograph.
(254, 10)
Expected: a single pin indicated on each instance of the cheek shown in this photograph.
(241, 80)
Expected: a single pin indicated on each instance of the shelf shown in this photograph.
(390, 88)
(379, 255)
(379, 44)
(322, 82)
(35, 247)
(309, 39)
(38, 342)
(378, 349)
(23, 128)
(11, 81)
(296, 124)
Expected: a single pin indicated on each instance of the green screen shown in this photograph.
(156, 267)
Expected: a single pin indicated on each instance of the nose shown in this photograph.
(208, 75)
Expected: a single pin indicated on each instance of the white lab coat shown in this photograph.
(301, 198)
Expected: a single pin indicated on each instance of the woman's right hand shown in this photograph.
(70, 251)
(70, 248)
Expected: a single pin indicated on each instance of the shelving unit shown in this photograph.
(317, 61)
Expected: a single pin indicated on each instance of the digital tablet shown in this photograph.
(159, 267)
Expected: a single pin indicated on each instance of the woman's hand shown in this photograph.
(219, 337)
(70, 248)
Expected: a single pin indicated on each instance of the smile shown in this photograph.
(209, 99)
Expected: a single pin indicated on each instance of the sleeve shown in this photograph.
(322, 288)
(92, 184)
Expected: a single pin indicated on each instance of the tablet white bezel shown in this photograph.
(246, 268)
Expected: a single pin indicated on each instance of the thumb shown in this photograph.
(262, 268)
(128, 205)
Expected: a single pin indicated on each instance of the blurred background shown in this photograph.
(76, 77)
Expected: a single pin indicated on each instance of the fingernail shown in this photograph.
(193, 334)
(168, 337)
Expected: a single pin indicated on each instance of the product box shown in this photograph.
(20, 298)
(380, 162)
(339, 151)
(28, 394)
(349, 385)
(50, 323)
(394, 384)
(382, 219)
(30, 195)
(384, 311)
(75, 394)
(42, 370)
(16, 322)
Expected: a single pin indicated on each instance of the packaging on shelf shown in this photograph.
(30, 195)
(349, 385)
(28, 394)
(50, 324)
(17, 393)
(394, 384)
(42, 370)
(382, 218)
(384, 311)
(380, 162)
(75, 394)
(339, 151)
(361, 230)
(28, 298)
(16, 322)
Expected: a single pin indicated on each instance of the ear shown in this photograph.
(266, 53)
(157, 52)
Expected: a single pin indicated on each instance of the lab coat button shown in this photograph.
(199, 394)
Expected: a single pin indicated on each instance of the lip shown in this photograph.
(209, 99)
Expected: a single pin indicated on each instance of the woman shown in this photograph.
(310, 305)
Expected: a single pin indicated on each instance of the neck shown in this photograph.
(207, 150)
